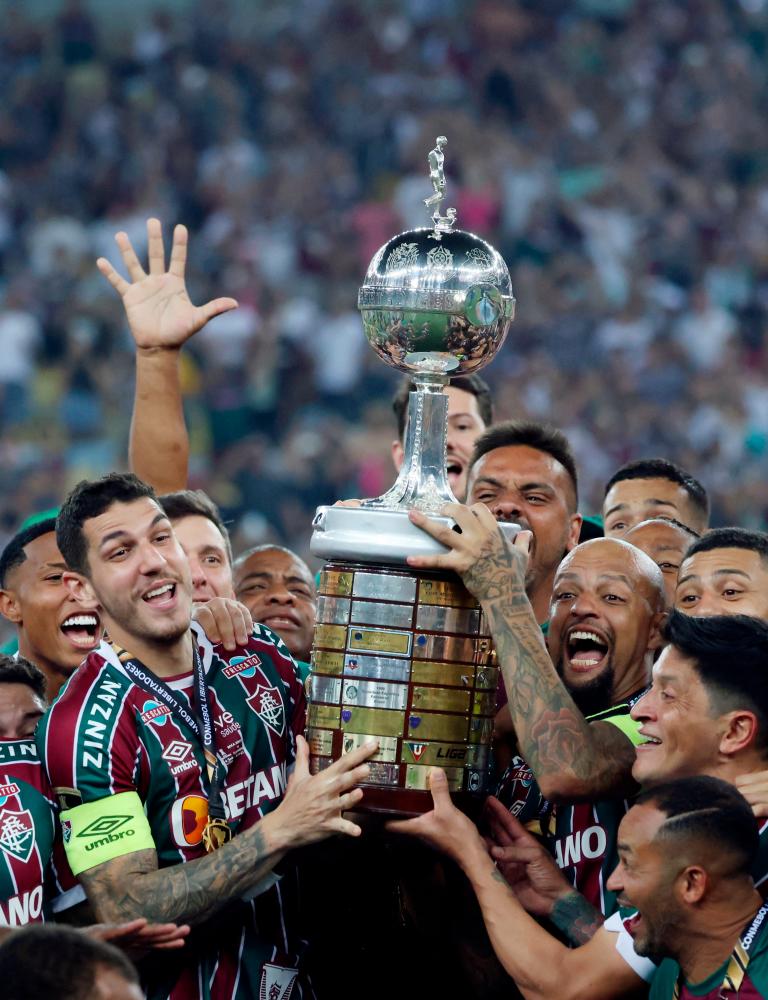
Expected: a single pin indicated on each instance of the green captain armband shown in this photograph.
(101, 831)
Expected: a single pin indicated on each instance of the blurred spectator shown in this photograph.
(613, 151)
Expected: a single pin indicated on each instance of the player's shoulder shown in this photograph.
(264, 649)
(97, 687)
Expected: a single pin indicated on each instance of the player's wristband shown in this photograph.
(100, 831)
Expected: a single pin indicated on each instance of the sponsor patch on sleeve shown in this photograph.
(100, 831)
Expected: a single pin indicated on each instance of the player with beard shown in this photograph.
(470, 413)
(607, 609)
(525, 473)
(666, 541)
(725, 573)
(278, 589)
(653, 487)
(686, 849)
(706, 713)
(55, 632)
(170, 759)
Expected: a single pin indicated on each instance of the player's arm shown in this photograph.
(542, 967)
(125, 886)
(537, 882)
(162, 319)
(571, 758)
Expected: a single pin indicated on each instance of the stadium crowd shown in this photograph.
(155, 781)
(613, 152)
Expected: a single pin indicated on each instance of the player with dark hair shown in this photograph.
(42, 963)
(724, 573)
(200, 529)
(470, 412)
(705, 714)
(278, 589)
(653, 487)
(666, 541)
(54, 631)
(170, 759)
(687, 849)
(707, 708)
(525, 472)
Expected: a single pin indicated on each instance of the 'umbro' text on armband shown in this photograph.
(101, 831)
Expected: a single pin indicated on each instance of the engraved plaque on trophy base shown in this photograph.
(406, 657)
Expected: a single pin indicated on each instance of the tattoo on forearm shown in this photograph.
(577, 918)
(133, 886)
(553, 735)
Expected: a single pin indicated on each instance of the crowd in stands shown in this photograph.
(613, 151)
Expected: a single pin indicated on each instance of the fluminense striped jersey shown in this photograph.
(582, 836)
(106, 735)
(26, 832)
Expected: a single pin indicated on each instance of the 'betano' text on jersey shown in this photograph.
(105, 735)
(26, 832)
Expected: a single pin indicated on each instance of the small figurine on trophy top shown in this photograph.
(436, 159)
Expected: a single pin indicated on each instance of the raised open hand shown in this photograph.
(157, 305)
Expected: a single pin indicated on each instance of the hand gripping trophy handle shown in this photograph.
(398, 654)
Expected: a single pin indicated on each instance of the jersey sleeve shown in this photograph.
(625, 946)
(100, 831)
(88, 741)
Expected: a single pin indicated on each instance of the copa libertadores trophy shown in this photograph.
(398, 654)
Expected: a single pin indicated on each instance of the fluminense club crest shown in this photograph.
(268, 705)
(17, 833)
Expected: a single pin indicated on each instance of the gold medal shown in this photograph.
(215, 834)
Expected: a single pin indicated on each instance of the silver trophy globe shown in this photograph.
(403, 655)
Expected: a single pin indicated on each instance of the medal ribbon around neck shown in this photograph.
(217, 830)
(739, 960)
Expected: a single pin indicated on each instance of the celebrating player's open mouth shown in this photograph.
(455, 469)
(161, 596)
(82, 630)
(283, 619)
(586, 649)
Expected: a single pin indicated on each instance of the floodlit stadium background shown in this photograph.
(613, 150)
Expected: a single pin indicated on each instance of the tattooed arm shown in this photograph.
(543, 968)
(571, 758)
(133, 885)
(535, 879)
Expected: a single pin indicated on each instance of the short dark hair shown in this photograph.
(472, 384)
(660, 468)
(730, 655)
(13, 554)
(189, 503)
(273, 547)
(21, 671)
(89, 499)
(531, 434)
(731, 538)
(709, 809)
(51, 960)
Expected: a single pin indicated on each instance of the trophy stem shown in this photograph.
(422, 483)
